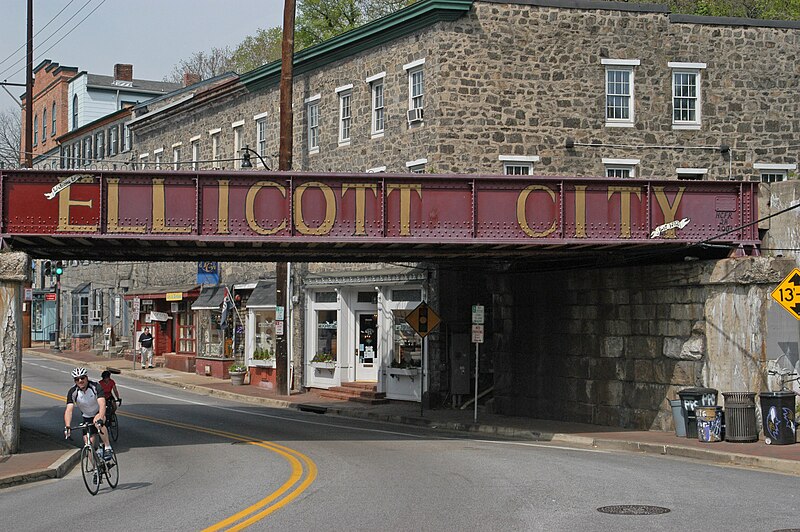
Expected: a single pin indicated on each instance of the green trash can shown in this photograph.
(777, 415)
(691, 399)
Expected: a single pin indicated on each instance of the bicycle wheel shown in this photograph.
(91, 473)
(112, 471)
(113, 427)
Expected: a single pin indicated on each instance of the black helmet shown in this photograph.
(106, 374)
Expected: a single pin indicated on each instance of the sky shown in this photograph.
(152, 35)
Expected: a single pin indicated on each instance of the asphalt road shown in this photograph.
(192, 462)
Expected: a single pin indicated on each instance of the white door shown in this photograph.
(367, 346)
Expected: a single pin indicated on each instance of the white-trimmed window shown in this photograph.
(35, 130)
(195, 142)
(143, 161)
(176, 155)
(623, 168)
(87, 150)
(378, 114)
(126, 137)
(312, 112)
(99, 145)
(686, 94)
(345, 93)
(691, 174)
(158, 155)
(214, 134)
(772, 173)
(619, 91)
(376, 170)
(53, 118)
(237, 127)
(416, 90)
(417, 167)
(261, 136)
(44, 124)
(113, 140)
(518, 164)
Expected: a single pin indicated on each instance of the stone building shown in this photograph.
(532, 87)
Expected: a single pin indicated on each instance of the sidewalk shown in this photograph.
(36, 460)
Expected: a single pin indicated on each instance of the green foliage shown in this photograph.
(323, 357)
(236, 368)
(263, 354)
(758, 9)
(256, 50)
(406, 364)
(320, 20)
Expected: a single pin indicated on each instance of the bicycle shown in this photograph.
(113, 423)
(93, 466)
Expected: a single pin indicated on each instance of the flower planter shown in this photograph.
(262, 363)
(324, 365)
(405, 372)
(237, 377)
(403, 384)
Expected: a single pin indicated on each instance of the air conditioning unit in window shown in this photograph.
(415, 115)
(97, 316)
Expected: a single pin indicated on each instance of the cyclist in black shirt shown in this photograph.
(91, 402)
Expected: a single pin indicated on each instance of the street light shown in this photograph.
(246, 163)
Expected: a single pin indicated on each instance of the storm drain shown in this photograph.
(633, 509)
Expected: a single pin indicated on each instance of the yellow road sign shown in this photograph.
(423, 319)
(788, 293)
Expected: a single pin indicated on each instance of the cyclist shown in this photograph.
(110, 390)
(91, 402)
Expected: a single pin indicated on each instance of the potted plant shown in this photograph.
(323, 361)
(263, 356)
(237, 372)
(409, 368)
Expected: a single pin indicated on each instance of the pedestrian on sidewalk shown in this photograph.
(146, 341)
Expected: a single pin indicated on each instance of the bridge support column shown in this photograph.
(14, 272)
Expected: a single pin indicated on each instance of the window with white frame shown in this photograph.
(312, 112)
(376, 170)
(126, 137)
(214, 134)
(143, 161)
(686, 99)
(99, 145)
(261, 136)
(44, 124)
(238, 128)
(691, 174)
(87, 150)
(195, 141)
(113, 140)
(53, 118)
(416, 90)
(518, 164)
(773, 173)
(417, 167)
(176, 155)
(75, 112)
(619, 91)
(622, 168)
(157, 156)
(376, 92)
(345, 113)
(36, 130)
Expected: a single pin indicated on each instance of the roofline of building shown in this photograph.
(735, 21)
(112, 117)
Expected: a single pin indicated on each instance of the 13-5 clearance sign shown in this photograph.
(386, 207)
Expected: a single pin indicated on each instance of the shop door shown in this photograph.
(367, 346)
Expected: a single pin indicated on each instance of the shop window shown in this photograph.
(368, 297)
(325, 297)
(407, 295)
(210, 339)
(327, 333)
(264, 347)
(407, 352)
(186, 332)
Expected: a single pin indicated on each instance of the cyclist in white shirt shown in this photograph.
(91, 402)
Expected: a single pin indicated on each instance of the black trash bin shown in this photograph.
(740, 416)
(777, 415)
(692, 398)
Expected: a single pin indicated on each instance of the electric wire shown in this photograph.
(37, 33)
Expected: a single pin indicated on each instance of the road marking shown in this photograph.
(304, 470)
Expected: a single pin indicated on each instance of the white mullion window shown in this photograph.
(518, 164)
(619, 91)
(686, 100)
(621, 168)
(417, 167)
(416, 91)
(214, 134)
(99, 145)
(176, 155)
(312, 111)
(157, 154)
(261, 136)
(237, 127)
(691, 174)
(345, 113)
(195, 142)
(378, 110)
(773, 173)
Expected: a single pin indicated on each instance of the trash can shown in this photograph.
(691, 398)
(777, 415)
(740, 417)
(709, 423)
(677, 418)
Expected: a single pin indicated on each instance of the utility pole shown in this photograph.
(282, 359)
(29, 91)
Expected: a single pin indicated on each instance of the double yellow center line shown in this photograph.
(304, 470)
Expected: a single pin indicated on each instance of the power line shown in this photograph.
(37, 33)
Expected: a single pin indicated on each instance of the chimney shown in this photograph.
(123, 72)
(190, 78)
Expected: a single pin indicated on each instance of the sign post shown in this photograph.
(477, 339)
(787, 294)
(423, 320)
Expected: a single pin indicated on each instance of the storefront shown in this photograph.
(260, 334)
(356, 330)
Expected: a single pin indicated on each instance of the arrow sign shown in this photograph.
(787, 294)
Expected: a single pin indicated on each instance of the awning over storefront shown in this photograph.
(161, 292)
(263, 295)
(210, 298)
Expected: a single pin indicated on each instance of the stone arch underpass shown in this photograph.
(602, 295)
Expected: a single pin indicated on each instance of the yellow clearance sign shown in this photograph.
(788, 293)
(174, 296)
(423, 319)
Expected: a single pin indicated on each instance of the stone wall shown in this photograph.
(611, 346)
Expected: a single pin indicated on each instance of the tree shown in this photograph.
(10, 133)
(256, 50)
(320, 20)
(758, 9)
(203, 64)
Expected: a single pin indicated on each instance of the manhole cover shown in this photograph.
(633, 509)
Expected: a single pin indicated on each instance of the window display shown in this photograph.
(264, 345)
(407, 343)
(327, 328)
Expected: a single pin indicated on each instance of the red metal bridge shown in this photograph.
(268, 216)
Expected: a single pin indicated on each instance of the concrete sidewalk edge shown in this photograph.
(57, 469)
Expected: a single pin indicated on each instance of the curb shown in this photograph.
(57, 469)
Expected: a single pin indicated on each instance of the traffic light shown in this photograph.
(59, 267)
(48, 268)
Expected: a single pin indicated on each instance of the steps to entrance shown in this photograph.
(359, 392)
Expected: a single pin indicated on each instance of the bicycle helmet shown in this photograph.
(78, 372)
(106, 374)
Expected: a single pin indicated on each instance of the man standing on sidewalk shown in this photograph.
(146, 341)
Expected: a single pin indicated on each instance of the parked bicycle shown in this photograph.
(93, 466)
(785, 377)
